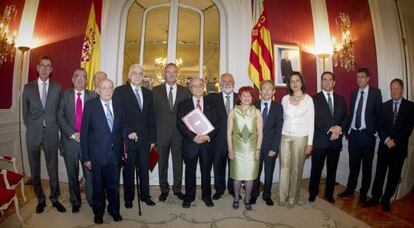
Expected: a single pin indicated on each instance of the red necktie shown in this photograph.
(78, 112)
(198, 105)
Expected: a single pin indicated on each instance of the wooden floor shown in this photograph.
(401, 215)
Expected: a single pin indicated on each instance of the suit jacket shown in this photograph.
(166, 118)
(190, 148)
(139, 121)
(373, 109)
(272, 129)
(34, 114)
(324, 120)
(216, 101)
(66, 117)
(98, 144)
(402, 129)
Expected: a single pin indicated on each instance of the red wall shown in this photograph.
(6, 69)
(364, 42)
(291, 22)
(59, 30)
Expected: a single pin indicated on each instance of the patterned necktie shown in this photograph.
(109, 116)
(330, 104)
(78, 108)
(265, 112)
(170, 98)
(138, 98)
(199, 105)
(44, 94)
(395, 113)
(359, 111)
(227, 104)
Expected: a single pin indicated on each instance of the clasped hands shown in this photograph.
(390, 143)
(201, 139)
(336, 132)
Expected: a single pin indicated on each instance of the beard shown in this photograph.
(228, 90)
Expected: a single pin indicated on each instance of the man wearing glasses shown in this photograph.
(40, 103)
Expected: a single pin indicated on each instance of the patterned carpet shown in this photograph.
(171, 214)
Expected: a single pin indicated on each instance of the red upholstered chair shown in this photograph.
(7, 196)
(14, 178)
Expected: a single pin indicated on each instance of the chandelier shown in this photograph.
(6, 40)
(343, 50)
(160, 63)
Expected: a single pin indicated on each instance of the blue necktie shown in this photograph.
(138, 98)
(109, 116)
(359, 111)
(265, 111)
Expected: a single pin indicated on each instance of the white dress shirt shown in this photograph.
(364, 105)
(110, 107)
(82, 97)
(269, 103)
(299, 120)
(174, 91)
(40, 85)
(201, 102)
(326, 97)
(139, 92)
(231, 99)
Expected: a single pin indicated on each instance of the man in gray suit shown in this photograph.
(166, 98)
(69, 118)
(40, 102)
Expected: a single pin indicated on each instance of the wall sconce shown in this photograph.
(343, 50)
(6, 39)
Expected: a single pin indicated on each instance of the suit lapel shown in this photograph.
(72, 104)
(132, 95)
(102, 114)
(37, 93)
(49, 92)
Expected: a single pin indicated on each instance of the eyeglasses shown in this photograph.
(106, 89)
(44, 66)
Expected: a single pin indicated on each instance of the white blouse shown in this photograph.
(299, 120)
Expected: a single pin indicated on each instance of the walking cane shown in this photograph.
(137, 172)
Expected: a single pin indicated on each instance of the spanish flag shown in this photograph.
(261, 53)
(91, 48)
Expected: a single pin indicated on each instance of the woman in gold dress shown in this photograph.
(244, 138)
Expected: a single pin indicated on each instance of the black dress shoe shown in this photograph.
(149, 202)
(372, 202)
(186, 204)
(117, 218)
(59, 207)
(209, 203)
(217, 195)
(253, 200)
(386, 206)
(163, 196)
(311, 198)
(75, 208)
(269, 202)
(40, 207)
(248, 206)
(330, 199)
(128, 204)
(345, 193)
(98, 219)
(179, 195)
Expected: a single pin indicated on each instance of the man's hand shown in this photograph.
(76, 137)
(271, 153)
(201, 139)
(390, 143)
(133, 136)
(336, 129)
(88, 164)
(152, 146)
(334, 136)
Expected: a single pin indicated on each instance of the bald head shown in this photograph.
(106, 89)
(227, 83)
(99, 76)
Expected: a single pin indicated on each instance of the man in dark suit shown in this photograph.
(364, 117)
(330, 121)
(196, 147)
(40, 103)
(69, 118)
(395, 129)
(137, 102)
(103, 130)
(222, 102)
(285, 66)
(166, 99)
(272, 131)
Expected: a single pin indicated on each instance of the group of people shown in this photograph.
(112, 127)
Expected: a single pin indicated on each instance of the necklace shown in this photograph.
(297, 97)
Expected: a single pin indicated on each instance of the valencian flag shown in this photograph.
(261, 53)
(91, 47)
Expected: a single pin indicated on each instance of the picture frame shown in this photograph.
(287, 58)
